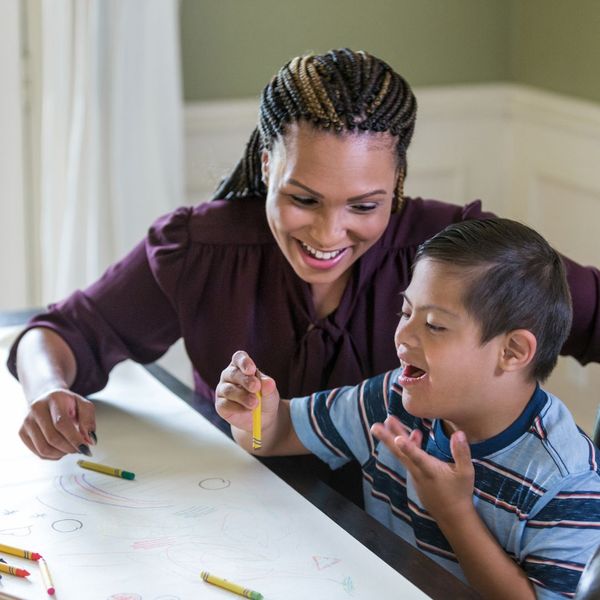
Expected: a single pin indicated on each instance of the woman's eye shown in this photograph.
(365, 207)
(303, 200)
(435, 328)
(404, 315)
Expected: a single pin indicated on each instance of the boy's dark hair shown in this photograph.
(517, 281)
(340, 91)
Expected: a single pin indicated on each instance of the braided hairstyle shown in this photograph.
(339, 91)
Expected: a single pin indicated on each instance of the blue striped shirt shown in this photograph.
(537, 484)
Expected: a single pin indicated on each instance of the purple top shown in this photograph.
(215, 275)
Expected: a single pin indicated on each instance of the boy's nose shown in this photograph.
(404, 337)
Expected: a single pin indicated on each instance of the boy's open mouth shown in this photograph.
(413, 372)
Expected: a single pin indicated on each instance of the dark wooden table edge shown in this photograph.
(418, 568)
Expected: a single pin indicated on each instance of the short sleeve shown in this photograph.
(336, 425)
(561, 534)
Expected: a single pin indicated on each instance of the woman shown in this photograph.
(300, 261)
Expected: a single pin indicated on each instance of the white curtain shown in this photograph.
(111, 132)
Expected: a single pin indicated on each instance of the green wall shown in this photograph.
(231, 48)
(555, 44)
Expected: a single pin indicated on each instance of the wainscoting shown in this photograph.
(528, 154)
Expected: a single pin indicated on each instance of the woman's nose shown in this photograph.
(329, 230)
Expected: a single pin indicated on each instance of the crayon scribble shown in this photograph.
(81, 487)
(324, 562)
(17, 531)
(348, 585)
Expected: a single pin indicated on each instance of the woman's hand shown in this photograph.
(236, 393)
(59, 422)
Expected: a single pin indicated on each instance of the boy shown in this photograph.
(462, 452)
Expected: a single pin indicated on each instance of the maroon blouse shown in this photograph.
(214, 275)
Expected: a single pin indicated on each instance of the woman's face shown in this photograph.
(329, 197)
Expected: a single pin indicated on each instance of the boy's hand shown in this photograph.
(445, 489)
(236, 393)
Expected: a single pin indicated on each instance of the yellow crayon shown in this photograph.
(7, 596)
(19, 552)
(256, 423)
(86, 464)
(232, 587)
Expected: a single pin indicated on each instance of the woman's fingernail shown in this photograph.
(93, 436)
(84, 450)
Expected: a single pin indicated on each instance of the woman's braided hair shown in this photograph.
(339, 91)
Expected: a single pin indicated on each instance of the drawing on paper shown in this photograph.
(214, 483)
(67, 525)
(324, 562)
(81, 487)
(17, 531)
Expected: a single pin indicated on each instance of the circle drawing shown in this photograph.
(67, 525)
(214, 483)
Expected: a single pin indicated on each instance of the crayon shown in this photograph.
(46, 577)
(6, 568)
(232, 587)
(256, 424)
(19, 552)
(7, 596)
(86, 464)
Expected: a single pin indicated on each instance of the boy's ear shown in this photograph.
(518, 350)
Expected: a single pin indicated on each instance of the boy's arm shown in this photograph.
(236, 397)
(446, 491)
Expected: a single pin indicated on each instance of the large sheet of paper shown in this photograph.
(198, 502)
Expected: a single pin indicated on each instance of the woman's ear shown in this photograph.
(518, 350)
(265, 163)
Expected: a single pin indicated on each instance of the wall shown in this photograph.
(555, 45)
(231, 48)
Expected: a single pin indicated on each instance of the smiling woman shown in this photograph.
(329, 200)
(300, 260)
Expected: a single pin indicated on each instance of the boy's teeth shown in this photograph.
(318, 254)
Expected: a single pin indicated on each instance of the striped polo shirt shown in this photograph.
(537, 483)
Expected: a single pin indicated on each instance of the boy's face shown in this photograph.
(446, 371)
